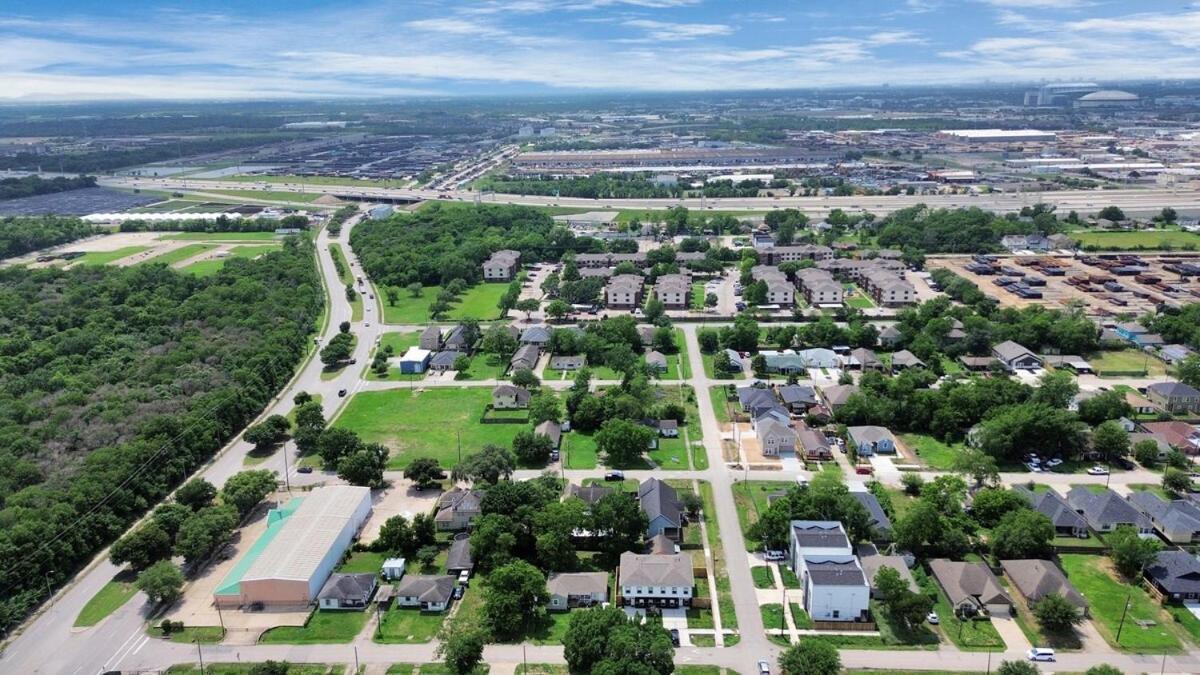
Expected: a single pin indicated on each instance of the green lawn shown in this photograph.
(720, 404)
(206, 268)
(1127, 361)
(934, 453)
(697, 297)
(723, 592)
(248, 669)
(223, 236)
(711, 372)
(425, 424)
(478, 302)
(360, 562)
(180, 254)
(1155, 488)
(409, 625)
(1186, 620)
(751, 500)
(800, 617)
(970, 634)
(408, 310)
(107, 600)
(322, 627)
(772, 615)
(1131, 240)
(579, 450)
(206, 635)
(790, 580)
(671, 454)
(857, 298)
(400, 342)
(106, 257)
(1106, 595)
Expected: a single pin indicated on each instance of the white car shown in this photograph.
(764, 668)
(932, 618)
(1035, 468)
(1040, 654)
(1097, 471)
(1054, 462)
(774, 555)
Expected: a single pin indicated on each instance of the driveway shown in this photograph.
(677, 618)
(1009, 630)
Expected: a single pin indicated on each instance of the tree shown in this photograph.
(531, 448)
(709, 340)
(395, 536)
(162, 581)
(268, 433)
(528, 305)
(170, 516)
(636, 647)
(623, 520)
(1108, 405)
(1110, 440)
(811, 657)
(1056, 614)
(310, 415)
(461, 645)
(271, 668)
(1176, 481)
(335, 443)
(1188, 370)
(912, 483)
(901, 603)
(392, 296)
(344, 327)
(1113, 213)
(1103, 669)
(557, 309)
(204, 531)
(544, 407)
(514, 599)
(364, 466)
(339, 349)
(623, 441)
(555, 525)
(196, 494)
(489, 465)
(654, 310)
(142, 547)
(1130, 552)
(992, 504)
(585, 642)
(524, 378)
(1146, 452)
(425, 472)
(245, 489)
(415, 289)
(497, 340)
(982, 468)
(1023, 533)
(1017, 668)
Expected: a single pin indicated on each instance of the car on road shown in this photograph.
(304, 469)
(1040, 654)
(774, 554)
(1097, 471)
(614, 475)
(764, 668)
(932, 618)
(341, 393)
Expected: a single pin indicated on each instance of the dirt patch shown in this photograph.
(401, 499)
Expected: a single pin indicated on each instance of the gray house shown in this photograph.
(1178, 521)
(578, 589)
(881, 525)
(347, 591)
(1067, 522)
(1106, 511)
(662, 507)
(458, 558)
(432, 593)
(1176, 574)
(1016, 357)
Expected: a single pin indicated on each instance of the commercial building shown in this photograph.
(501, 266)
(303, 542)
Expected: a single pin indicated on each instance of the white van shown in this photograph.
(1041, 654)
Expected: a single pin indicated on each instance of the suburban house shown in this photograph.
(1138, 334)
(577, 589)
(623, 291)
(535, 335)
(661, 544)
(456, 509)
(1015, 357)
(501, 266)
(1174, 397)
(1173, 354)
(568, 363)
(442, 361)
(870, 440)
(525, 358)
(1176, 574)
(1178, 521)
(798, 397)
(813, 444)
(757, 400)
(837, 395)
(668, 428)
(1035, 579)
(904, 359)
(432, 593)
(775, 436)
(509, 397)
(971, 588)
(890, 336)
(431, 339)
(590, 494)
(458, 558)
(1140, 404)
(871, 564)
(672, 290)
(1180, 435)
(550, 429)
(1067, 522)
(864, 359)
(835, 586)
(735, 361)
(458, 340)
(656, 361)
(658, 580)
(347, 591)
(881, 525)
(662, 507)
(1106, 511)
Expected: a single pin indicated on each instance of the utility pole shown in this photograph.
(459, 435)
(1123, 613)
(286, 478)
(200, 654)
(356, 658)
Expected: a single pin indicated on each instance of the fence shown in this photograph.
(845, 626)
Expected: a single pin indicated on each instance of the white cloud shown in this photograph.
(670, 32)
(895, 37)
(1039, 4)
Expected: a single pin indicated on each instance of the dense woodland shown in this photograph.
(443, 242)
(221, 224)
(616, 186)
(105, 160)
(28, 186)
(116, 383)
(21, 234)
(970, 230)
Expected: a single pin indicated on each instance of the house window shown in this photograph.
(836, 613)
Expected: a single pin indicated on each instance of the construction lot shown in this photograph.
(1105, 284)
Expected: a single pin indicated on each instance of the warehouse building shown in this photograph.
(303, 542)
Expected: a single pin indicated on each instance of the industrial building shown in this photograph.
(303, 542)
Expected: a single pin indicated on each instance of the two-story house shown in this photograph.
(501, 266)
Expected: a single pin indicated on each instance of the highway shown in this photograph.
(1134, 201)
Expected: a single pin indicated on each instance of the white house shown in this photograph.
(835, 586)
(660, 580)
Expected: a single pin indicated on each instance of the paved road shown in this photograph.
(1137, 201)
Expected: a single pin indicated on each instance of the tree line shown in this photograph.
(23, 234)
(27, 186)
(222, 223)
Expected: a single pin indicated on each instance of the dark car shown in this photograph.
(675, 637)
(614, 475)
(458, 592)
(304, 469)
(341, 393)
(1123, 463)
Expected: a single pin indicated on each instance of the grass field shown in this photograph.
(579, 450)
(207, 268)
(723, 591)
(425, 424)
(478, 302)
(322, 627)
(1106, 595)
(1127, 360)
(312, 180)
(1130, 240)
(719, 404)
(222, 236)
(762, 576)
(859, 299)
(107, 600)
(400, 342)
(934, 453)
(751, 500)
(408, 625)
(180, 254)
(711, 371)
(106, 257)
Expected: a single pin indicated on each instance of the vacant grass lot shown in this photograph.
(751, 500)
(222, 236)
(720, 404)
(270, 195)
(106, 257)
(1129, 240)
(180, 254)
(1127, 361)
(425, 424)
(322, 627)
(934, 453)
(207, 268)
(711, 371)
(401, 625)
(478, 302)
(249, 669)
(1098, 582)
(579, 450)
(107, 600)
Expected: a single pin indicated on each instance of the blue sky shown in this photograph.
(270, 49)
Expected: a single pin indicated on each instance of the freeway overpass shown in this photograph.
(1143, 202)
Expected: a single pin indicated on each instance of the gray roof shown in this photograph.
(797, 393)
(656, 359)
(1105, 509)
(964, 581)
(819, 534)
(835, 573)
(1009, 350)
(865, 358)
(734, 358)
(1173, 389)
(511, 390)
(432, 332)
(538, 334)
(348, 587)
(906, 359)
(565, 362)
(656, 570)
(435, 588)
(1053, 506)
(590, 493)
(839, 393)
(869, 434)
(871, 565)
(1176, 571)
(756, 399)
(1179, 515)
(526, 356)
(577, 583)
(661, 544)
(459, 556)
(550, 429)
(659, 499)
(445, 358)
(879, 519)
(1038, 578)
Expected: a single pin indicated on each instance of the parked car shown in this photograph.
(614, 475)
(1123, 463)
(1097, 471)
(1054, 462)
(341, 393)
(464, 578)
(553, 455)
(764, 668)
(458, 592)
(1040, 654)
(863, 470)
(1035, 468)
(675, 637)
(304, 469)
(774, 555)
(932, 618)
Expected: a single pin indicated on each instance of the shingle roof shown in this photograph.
(879, 519)
(1179, 515)
(347, 586)
(656, 570)
(511, 390)
(1106, 508)
(444, 358)
(590, 493)
(459, 556)
(550, 429)
(836, 573)
(1054, 507)
(536, 334)
(968, 581)
(1038, 578)
(437, 589)
(577, 583)
(659, 499)
(1173, 389)
(906, 359)
(839, 393)
(796, 393)
(1177, 571)
(1009, 350)
(754, 399)
(871, 565)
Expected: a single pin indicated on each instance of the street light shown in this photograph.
(1123, 613)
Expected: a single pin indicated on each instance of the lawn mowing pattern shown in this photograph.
(106, 257)
(111, 597)
(1106, 594)
(180, 254)
(322, 627)
(425, 424)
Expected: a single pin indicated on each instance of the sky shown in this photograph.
(57, 50)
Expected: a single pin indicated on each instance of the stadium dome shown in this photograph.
(1109, 95)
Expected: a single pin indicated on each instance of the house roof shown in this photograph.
(348, 586)
(459, 556)
(655, 358)
(457, 500)
(836, 573)
(865, 357)
(437, 589)
(445, 358)
(754, 399)
(1054, 507)
(890, 332)
(812, 440)
(906, 359)
(577, 583)
(1105, 509)
(879, 519)
(565, 362)
(660, 544)
(1009, 351)
(734, 357)
(797, 393)
(656, 570)
(968, 582)
(771, 427)
(839, 393)
(1176, 571)
(1179, 515)
(590, 493)
(819, 534)
(550, 429)
(658, 499)
(526, 354)
(511, 390)
(871, 565)
(1173, 389)
(431, 332)
(536, 334)
(1038, 578)
(869, 434)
